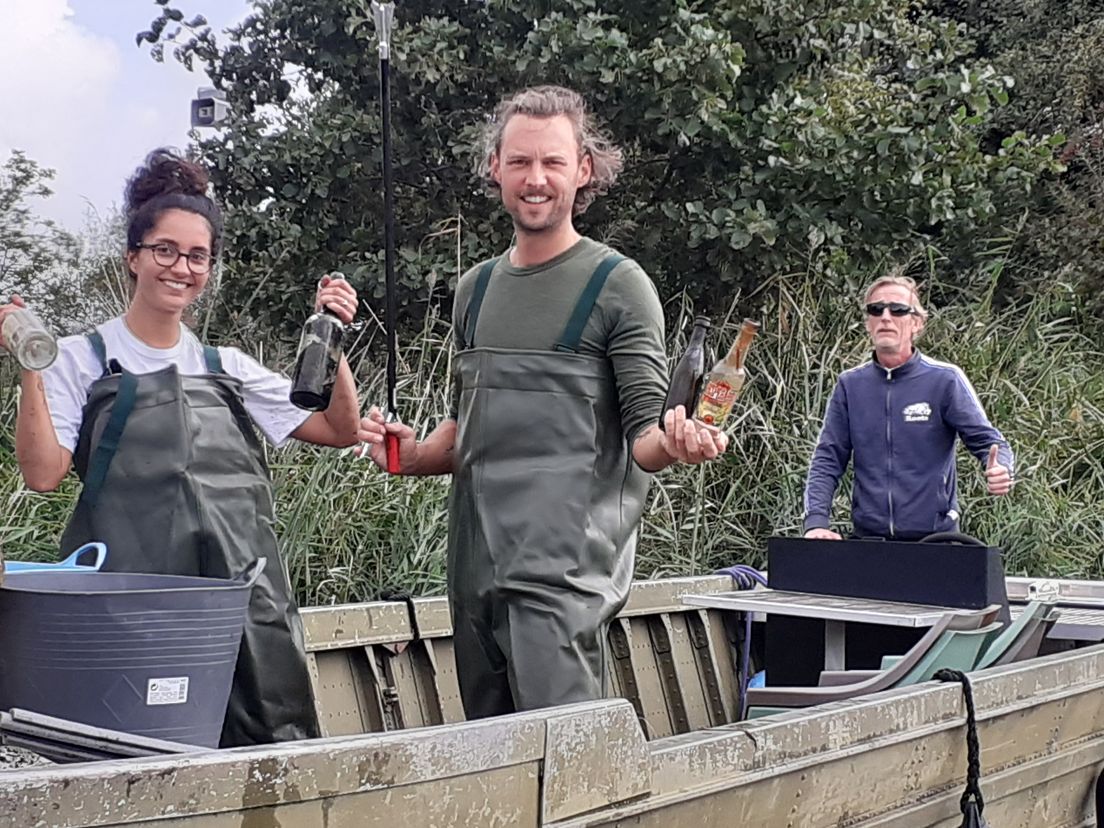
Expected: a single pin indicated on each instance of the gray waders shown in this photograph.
(543, 513)
(175, 483)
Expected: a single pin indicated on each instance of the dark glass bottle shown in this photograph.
(686, 379)
(316, 365)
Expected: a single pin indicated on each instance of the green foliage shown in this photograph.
(30, 247)
(760, 137)
(1055, 50)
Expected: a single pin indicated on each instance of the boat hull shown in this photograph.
(667, 754)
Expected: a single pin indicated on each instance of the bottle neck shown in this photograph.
(697, 336)
(738, 353)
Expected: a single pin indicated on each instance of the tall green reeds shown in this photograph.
(350, 532)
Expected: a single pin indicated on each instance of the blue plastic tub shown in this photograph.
(96, 552)
(147, 654)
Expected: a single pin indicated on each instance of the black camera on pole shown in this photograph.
(209, 107)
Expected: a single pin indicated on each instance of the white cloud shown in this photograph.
(55, 80)
(79, 97)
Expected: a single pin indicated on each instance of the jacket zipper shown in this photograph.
(889, 449)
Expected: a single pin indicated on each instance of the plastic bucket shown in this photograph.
(93, 553)
(147, 654)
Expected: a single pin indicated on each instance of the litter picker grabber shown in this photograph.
(384, 15)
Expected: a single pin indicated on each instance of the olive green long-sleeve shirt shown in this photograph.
(527, 308)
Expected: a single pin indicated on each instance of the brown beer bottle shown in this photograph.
(725, 381)
(686, 379)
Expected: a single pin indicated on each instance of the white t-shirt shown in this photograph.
(68, 380)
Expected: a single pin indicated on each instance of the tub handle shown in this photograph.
(72, 561)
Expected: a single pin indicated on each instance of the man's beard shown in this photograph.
(553, 221)
(542, 226)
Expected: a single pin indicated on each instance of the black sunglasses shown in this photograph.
(895, 308)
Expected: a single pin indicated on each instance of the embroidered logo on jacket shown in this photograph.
(917, 413)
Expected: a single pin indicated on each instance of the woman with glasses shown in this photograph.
(897, 417)
(161, 430)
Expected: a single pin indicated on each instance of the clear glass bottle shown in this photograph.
(29, 340)
(686, 379)
(725, 381)
(319, 355)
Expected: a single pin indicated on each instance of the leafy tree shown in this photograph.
(71, 282)
(31, 247)
(1056, 50)
(761, 137)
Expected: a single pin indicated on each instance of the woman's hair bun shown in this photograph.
(164, 172)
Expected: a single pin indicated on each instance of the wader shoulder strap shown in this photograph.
(573, 332)
(211, 356)
(213, 360)
(109, 441)
(97, 343)
(476, 301)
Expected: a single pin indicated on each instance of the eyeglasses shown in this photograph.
(167, 254)
(895, 308)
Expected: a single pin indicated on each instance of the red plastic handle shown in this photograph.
(392, 443)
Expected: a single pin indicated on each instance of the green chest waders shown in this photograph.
(543, 514)
(175, 482)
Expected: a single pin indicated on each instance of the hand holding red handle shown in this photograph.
(391, 443)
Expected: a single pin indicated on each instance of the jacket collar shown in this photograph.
(902, 370)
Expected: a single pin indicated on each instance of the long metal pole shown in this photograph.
(384, 15)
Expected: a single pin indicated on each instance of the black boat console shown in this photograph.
(944, 574)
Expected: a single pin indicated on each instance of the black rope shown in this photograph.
(972, 803)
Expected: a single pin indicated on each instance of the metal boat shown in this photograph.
(664, 750)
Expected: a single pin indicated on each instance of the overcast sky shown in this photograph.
(78, 95)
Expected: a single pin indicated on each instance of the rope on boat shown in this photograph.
(972, 803)
(744, 577)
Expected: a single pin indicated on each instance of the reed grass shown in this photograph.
(350, 532)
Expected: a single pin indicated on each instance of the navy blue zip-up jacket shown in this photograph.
(899, 426)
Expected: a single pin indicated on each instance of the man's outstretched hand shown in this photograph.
(997, 477)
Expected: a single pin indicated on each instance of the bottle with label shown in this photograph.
(319, 355)
(686, 379)
(29, 340)
(725, 381)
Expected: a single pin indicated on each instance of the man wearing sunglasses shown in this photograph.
(897, 418)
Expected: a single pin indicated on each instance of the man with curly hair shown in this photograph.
(561, 377)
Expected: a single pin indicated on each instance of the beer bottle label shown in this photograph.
(716, 402)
